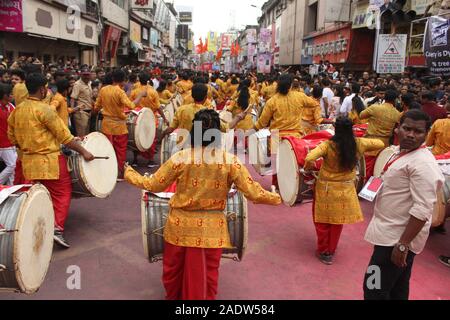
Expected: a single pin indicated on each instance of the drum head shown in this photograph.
(382, 160)
(439, 210)
(33, 242)
(145, 131)
(244, 227)
(144, 220)
(288, 173)
(257, 145)
(99, 176)
(169, 112)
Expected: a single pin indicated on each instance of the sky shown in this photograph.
(217, 15)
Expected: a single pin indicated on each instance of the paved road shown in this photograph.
(280, 264)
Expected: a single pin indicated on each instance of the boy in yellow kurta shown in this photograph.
(335, 199)
(196, 230)
(382, 120)
(112, 101)
(37, 131)
(59, 101)
(439, 137)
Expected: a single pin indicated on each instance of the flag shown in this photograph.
(233, 49)
(238, 49)
(205, 49)
(219, 54)
(199, 47)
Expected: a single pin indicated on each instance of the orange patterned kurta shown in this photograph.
(284, 113)
(335, 191)
(196, 217)
(20, 93)
(59, 103)
(112, 100)
(247, 122)
(38, 131)
(312, 117)
(382, 120)
(439, 137)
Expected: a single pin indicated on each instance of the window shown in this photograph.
(311, 22)
(120, 3)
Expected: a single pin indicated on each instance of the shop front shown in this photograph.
(342, 46)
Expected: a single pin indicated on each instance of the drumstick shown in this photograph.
(101, 158)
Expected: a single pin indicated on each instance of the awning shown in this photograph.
(136, 46)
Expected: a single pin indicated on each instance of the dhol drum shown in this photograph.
(141, 129)
(259, 151)
(295, 184)
(97, 178)
(154, 215)
(169, 147)
(382, 159)
(444, 165)
(26, 239)
(178, 100)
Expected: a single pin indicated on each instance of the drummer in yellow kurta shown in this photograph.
(284, 111)
(184, 86)
(439, 137)
(196, 223)
(164, 94)
(59, 101)
(185, 114)
(335, 199)
(382, 121)
(312, 114)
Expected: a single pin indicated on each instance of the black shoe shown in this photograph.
(59, 239)
(440, 229)
(445, 260)
(325, 258)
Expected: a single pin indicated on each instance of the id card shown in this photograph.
(371, 189)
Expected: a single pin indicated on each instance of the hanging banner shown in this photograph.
(391, 53)
(264, 63)
(11, 16)
(437, 46)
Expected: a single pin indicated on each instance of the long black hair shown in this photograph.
(244, 94)
(346, 143)
(209, 120)
(285, 84)
(358, 105)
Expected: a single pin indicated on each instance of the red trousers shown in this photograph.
(150, 153)
(275, 181)
(328, 236)
(61, 193)
(190, 273)
(19, 178)
(370, 166)
(120, 143)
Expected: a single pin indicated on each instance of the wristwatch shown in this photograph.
(402, 248)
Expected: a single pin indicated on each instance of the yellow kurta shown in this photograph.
(20, 93)
(336, 201)
(112, 101)
(247, 122)
(165, 96)
(269, 91)
(382, 120)
(38, 131)
(184, 86)
(189, 100)
(196, 216)
(312, 117)
(151, 101)
(353, 115)
(59, 103)
(232, 89)
(284, 113)
(439, 137)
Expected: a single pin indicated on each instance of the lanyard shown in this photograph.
(391, 162)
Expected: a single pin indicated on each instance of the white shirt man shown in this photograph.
(325, 102)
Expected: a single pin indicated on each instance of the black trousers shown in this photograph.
(384, 280)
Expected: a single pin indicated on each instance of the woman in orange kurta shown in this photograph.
(193, 250)
(335, 199)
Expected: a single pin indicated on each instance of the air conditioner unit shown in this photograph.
(122, 51)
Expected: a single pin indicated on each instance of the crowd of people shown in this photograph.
(43, 108)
